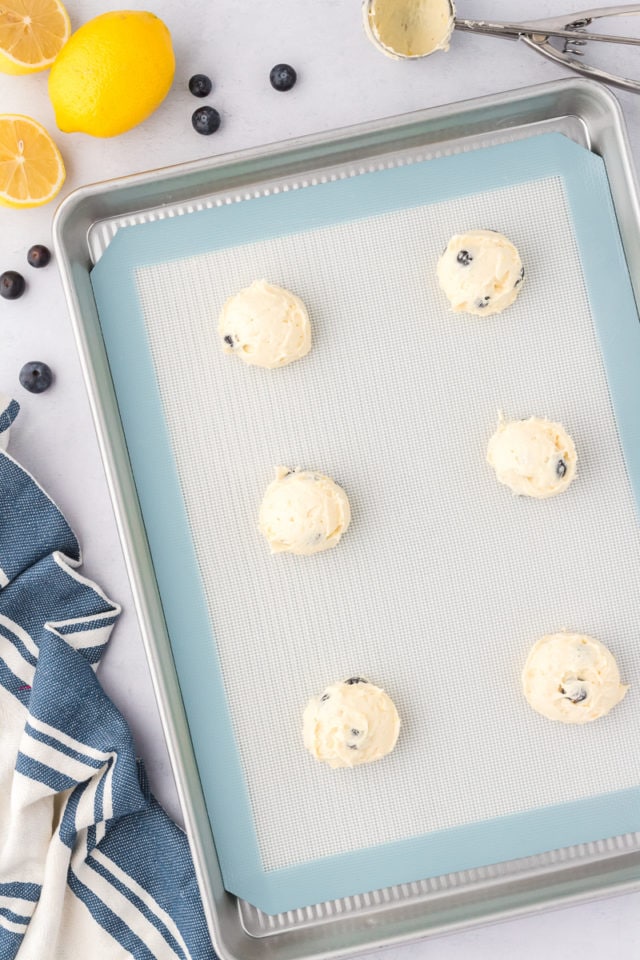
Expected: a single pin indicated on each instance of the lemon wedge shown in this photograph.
(31, 168)
(32, 34)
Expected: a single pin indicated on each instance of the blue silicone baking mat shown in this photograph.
(444, 579)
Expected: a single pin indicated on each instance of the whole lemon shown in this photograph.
(112, 74)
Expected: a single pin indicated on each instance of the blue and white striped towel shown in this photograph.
(90, 865)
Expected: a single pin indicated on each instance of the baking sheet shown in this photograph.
(396, 401)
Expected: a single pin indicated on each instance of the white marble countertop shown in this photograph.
(342, 80)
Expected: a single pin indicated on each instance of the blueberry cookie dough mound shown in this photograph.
(534, 457)
(571, 678)
(265, 325)
(480, 272)
(352, 722)
(303, 512)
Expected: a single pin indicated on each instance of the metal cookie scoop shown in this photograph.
(537, 34)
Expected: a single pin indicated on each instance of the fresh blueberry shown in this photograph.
(282, 77)
(200, 85)
(12, 285)
(561, 468)
(36, 377)
(228, 339)
(205, 120)
(520, 278)
(464, 257)
(353, 680)
(38, 255)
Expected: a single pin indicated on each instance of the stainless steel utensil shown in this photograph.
(537, 34)
(572, 28)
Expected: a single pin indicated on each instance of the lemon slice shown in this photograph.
(32, 34)
(31, 168)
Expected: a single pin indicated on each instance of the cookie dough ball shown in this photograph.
(481, 272)
(265, 325)
(571, 678)
(352, 722)
(404, 29)
(534, 457)
(303, 512)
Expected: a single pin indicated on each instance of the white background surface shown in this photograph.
(342, 80)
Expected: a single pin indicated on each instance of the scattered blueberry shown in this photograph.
(12, 285)
(228, 339)
(38, 255)
(561, 468)
(521, 277)
(36, 377)
(464, 257)
(353, 680)
(205, 120)
(200, 85)
(282, 77)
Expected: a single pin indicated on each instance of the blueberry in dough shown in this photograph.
(572, 678)
(576, 695)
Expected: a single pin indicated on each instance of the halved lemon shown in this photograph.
(31, 168)
(32, 34)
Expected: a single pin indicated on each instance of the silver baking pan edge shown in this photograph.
(83, 224)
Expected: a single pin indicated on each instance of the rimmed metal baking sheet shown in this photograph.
(431, 533)
(597, 122)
